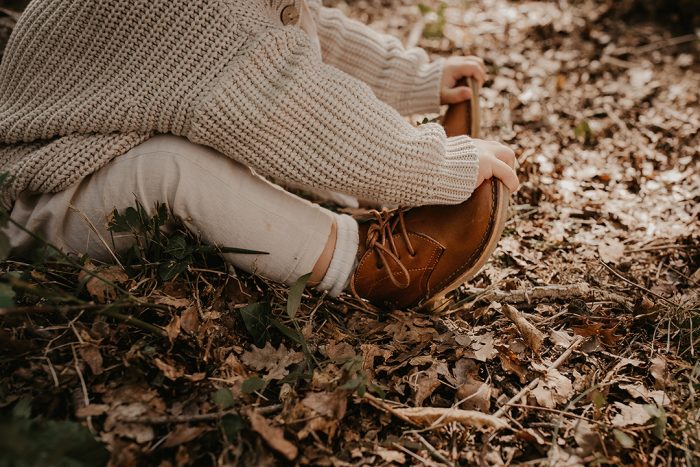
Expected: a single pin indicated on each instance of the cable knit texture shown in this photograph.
(84, 81)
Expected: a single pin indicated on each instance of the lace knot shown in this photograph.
(380, 239)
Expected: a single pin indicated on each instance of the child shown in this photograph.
(177, 100)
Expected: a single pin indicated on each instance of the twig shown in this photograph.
(580, 291)
(434, 451)
(524, 391)
(634, 284)
(86, 397)
(203, 417)
(381, 405)
(423, 460)
(135, 321)
(533, 336)
(667, 43)
(107, 310)
(17, 310)
(87, 220)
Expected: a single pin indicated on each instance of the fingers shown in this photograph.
(479, 61)
(456, 95)
(473, 69)
(505, 154)
(506, 174)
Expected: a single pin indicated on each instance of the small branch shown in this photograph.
(634, 284)
(524, 391)
(18, 310)
(381, 405)
(134, 321)
(422, 460)
(581, 291)
(667, 43)
(204, 417)
(435, 453)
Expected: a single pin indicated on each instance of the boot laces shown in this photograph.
(380, 238)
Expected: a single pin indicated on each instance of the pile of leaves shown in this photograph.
(577, 344)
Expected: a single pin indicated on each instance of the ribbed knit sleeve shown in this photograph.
(281, 111)
(403, 78)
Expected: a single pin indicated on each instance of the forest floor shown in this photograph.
(577, 344)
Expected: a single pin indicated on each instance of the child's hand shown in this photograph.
(496, 160)
(456, 68)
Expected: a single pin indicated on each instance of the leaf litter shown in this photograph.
(584, 352)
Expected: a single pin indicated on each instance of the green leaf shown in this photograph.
(598, 399)
(177, 246)
(625, 440)
(7, 296)
(583, 131)
(232, 424)
(292, 334)
(23, 409)
(223, 398)
(162, 215)
(295, 293)
(424, 9)
(132, 218)
(255, 383)
(256, 318)
(242, 251)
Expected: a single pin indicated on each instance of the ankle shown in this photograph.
(324, 261)
(342, 264)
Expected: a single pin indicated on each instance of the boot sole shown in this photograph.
(439, 301)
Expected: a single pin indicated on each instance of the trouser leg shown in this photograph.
(215, 197)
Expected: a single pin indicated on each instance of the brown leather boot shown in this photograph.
(410, 257)
(416, 256)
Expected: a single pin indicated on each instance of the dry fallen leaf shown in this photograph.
(630, 414)
(560, 338)
(475, 394)
(96, 282)
(638, 390)
(173, 328)
(391, 456)
(273, 436)
(92, 356)
(424, 383)
(184, 434)
(275, 361)
(329, 404)
(553, 388)
(659, 371)
(611, 250)
(483, 347)
(189, 321)
(168, 370)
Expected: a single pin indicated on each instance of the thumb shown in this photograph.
(456, 95)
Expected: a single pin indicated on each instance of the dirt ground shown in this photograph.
(576, 345)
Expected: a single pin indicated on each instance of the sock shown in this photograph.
(343, 262)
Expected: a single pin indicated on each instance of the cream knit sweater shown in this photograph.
(83, 81)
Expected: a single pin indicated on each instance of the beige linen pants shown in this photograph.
(217, 198)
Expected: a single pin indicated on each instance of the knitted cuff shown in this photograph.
(343, 263)
(424, 97)
(457, 178)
